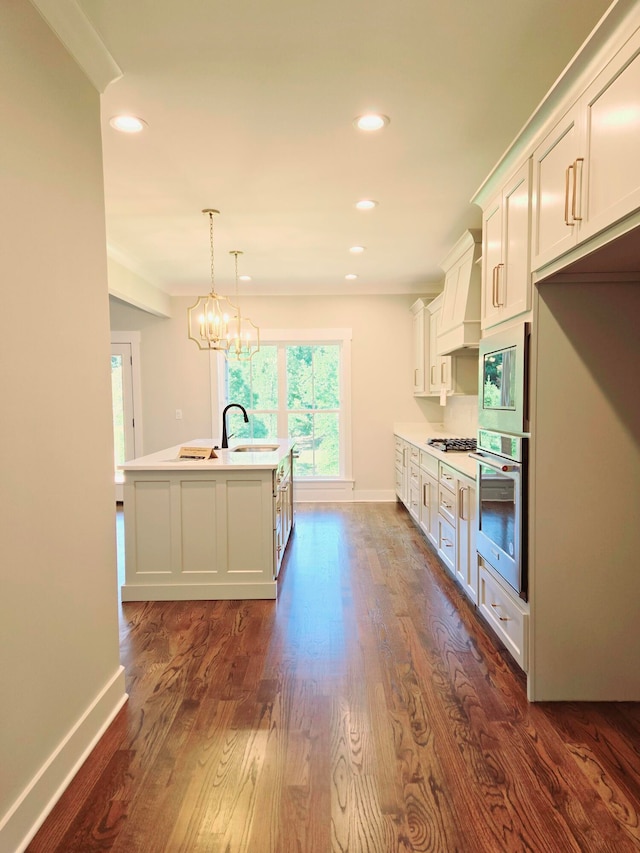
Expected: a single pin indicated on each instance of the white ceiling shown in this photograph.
(250, 104)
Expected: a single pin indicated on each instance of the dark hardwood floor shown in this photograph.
(366, 711)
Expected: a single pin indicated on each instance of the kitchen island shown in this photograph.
(198, 529)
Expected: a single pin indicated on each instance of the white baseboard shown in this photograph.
(229, 591)
(322, 491)
(341, 491)
(374, 495)
(28, 813)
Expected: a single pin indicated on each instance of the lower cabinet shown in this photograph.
(442, 502)
(466, 555)
(506, 614)
(283, 511)
(447, 544)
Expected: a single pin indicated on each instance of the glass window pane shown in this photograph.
(264, 378)
(300, 377)
(326, 377)
(301, 428)
(264, 425)
(239, 383)
(326, 444)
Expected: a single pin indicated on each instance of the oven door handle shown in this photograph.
(497, 466)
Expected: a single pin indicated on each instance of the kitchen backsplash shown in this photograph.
(460, 416)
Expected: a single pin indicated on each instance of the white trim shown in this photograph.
(375, 496)
(322, 491)
(76, 32)
(134, 338)
(30, 810)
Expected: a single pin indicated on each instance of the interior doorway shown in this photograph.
(126, 426)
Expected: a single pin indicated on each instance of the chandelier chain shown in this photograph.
(211, 244)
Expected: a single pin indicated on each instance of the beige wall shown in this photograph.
(61, 677)
(175, 373)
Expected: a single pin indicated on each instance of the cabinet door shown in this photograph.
(418, 352)
(467, 558)
(491, 259)
(555, 191)
(440, 375)
(513, 287)
(612, 136)
(434, 361)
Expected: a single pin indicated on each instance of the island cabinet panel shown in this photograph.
(199, 551)
(150, 504)
(249, 526)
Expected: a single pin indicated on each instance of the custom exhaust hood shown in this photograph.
(459, 326)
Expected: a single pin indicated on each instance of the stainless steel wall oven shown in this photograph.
(503, 401)
(502, 505)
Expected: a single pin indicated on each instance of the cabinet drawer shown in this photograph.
(447, 544)
(398, 443)
(414, 453)
(507, 615)
(399, 458)
(414, 500)
(428, 462)
(447, 504)
(414, 475)
(447, 477)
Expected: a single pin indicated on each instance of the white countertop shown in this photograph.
(418, 434)
(227, 460)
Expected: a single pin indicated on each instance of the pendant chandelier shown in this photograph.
(215, 323)
(244, 340)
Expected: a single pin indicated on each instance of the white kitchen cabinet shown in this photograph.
(414, 482)
(440, 368)
(466, 555)
(459, 322)
(283, 505)
(447, 517)
(506, 614)
(402, 469)
(506, 280)
(210, 529)
(586, 172)
(429, 496)
(420, 328)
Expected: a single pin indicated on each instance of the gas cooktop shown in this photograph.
(453, 444)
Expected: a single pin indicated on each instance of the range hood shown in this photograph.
(459, 326)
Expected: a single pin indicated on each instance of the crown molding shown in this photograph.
(77, 34)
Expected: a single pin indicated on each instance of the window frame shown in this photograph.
(307, 337)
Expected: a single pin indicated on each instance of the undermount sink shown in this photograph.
(254, 448)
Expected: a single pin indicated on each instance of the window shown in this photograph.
(295, 389)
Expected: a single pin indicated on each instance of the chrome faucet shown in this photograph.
(225, 437)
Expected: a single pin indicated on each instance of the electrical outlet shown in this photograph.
(178, 414)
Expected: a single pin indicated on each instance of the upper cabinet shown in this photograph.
(586, 171)
(420, 322)
(506, 286)
(459, 322)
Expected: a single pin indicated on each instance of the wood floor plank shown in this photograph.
(368, 710)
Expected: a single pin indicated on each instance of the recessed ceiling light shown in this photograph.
(244, 277)
(371, 121)
(356, 250)
(351, 276)
(127, 124)
(366, 204)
